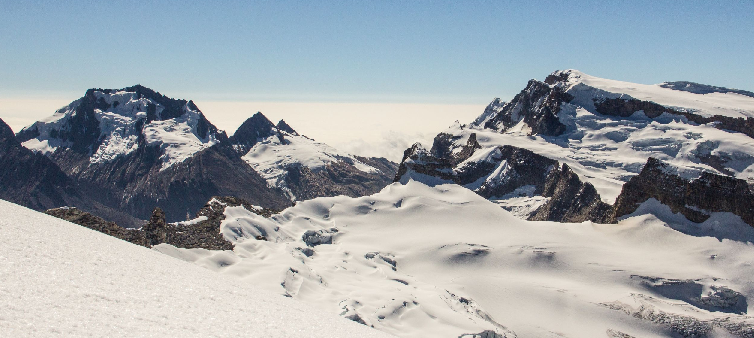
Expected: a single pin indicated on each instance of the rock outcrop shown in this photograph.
(571, 200)
(505, 170)
(694, 198)
(85, 219)
(201, 232)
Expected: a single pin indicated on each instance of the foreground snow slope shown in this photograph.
(60, 279)
(419, 261)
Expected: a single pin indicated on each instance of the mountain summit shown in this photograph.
(563, 148)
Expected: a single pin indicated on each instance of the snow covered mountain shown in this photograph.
(303, 167)
(603, 131)
(106, 124)
(134, 149)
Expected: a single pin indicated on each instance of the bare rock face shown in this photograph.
(537, 106)
(319, 237)
(339, 178)
(571, 200)
(692, 198)
(30, 179)
(440, 160)
(254, 129)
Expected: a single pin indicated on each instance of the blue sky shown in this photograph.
(378, 51)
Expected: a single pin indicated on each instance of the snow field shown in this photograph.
(418, 261)
(60, 279)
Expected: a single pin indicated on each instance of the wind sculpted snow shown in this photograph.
(420, 261)
(60, 279)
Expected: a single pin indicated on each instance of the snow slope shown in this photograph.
(726, 104)
(420, 261)
(273, 155)
(60, 279)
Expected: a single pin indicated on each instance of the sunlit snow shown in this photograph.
(419, 261)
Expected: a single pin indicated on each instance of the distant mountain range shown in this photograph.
(119, 153)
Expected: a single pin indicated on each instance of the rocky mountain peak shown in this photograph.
(254, 129)
(282, 126)
(6, 133)
(105, 124)
(537, 106)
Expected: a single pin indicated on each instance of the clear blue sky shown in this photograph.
(464, 52)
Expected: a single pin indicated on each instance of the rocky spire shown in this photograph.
(282, 126)
(252, 131)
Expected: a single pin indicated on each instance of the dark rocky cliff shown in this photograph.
(537, 105)
(695, 198)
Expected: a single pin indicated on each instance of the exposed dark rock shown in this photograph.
(135, 183)
(201, 233)
(524, 167)
(308, 252)
(31, 179)
(626, 107)
(339, 178)
(286, 128)
(90, 221)
(483, 334)
(692, 198)
(537, 105)
(617, 334)
(698, 88)
(36, 182)
(253, 130)
(126, 188)
(682, 325)
(318, 237)
(206, 233)
(156, 230)
(387, 258)
(571, 200)
(440, 159)
(356, 318)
